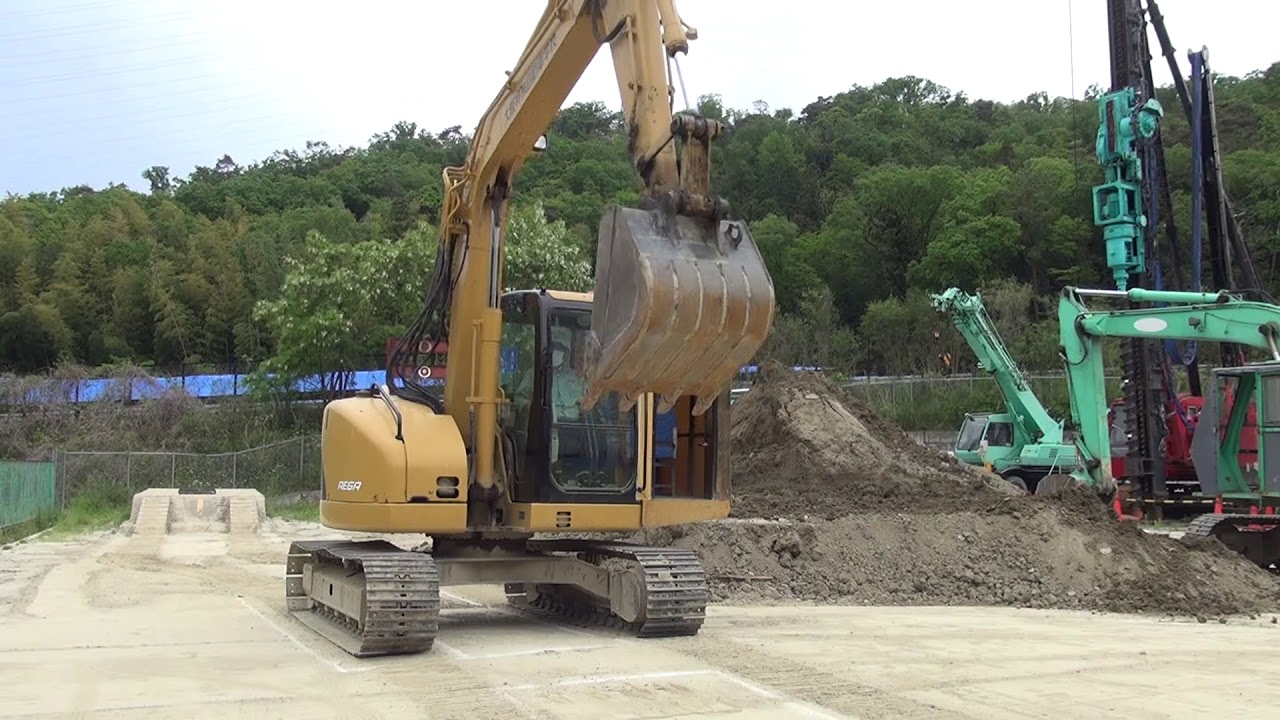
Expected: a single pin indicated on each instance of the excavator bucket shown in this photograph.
(681, 303)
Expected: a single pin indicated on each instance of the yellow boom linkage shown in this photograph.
(551, 398)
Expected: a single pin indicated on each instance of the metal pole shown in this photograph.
(128, 471)
(234, 462)
(173, 470)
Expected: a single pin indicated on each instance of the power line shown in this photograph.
(108, 73)
(98, 51)
(116, 100)
(63, 9)
(141, 118)
(119, 99)
(91, 28)
(1071, 54)
(37, 158)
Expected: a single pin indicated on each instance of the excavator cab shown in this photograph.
(565, 452)
(562, 451)
(986, 438)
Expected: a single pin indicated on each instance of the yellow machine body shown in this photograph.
(560, 412)
(374, 482)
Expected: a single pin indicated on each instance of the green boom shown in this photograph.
(1205, 317)
(1037, 446)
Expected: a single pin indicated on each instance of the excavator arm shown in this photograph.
(682, 298)
(1204, 317)
(970, 318)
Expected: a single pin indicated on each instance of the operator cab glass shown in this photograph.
(999, 434)
(590, 450)
(971, 433)
(561, 453)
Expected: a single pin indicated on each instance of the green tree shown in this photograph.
(793, 278)
(968, 255)
(543, 254)
(867, 199)
(339, 301)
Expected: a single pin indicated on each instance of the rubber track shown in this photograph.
(1204, 525)
(675, 584)
(402, 596)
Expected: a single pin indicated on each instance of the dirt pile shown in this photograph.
(801, 447)
(835, 505)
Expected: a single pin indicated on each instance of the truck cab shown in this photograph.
(992, 431)
(992, 439)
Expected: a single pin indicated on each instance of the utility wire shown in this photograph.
(97, 51)
(63, 9)
(109, 95)
(1075, 122)
(90, 28)
(144, 67)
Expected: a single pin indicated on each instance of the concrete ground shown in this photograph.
(192, 626)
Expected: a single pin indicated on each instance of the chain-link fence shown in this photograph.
(30, 489)
(282, 467)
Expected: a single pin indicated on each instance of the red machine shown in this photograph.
(1180, 474)
(429, 373)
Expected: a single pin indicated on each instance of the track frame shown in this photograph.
(373, 598)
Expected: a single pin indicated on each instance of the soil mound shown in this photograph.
(835, 505)
(802, 447)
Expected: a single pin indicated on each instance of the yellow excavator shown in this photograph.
(563, 414)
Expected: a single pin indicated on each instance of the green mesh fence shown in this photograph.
(26, 490)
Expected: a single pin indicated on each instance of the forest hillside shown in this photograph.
(862, 203)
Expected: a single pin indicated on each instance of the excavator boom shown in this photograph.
(1205, 317)
(682, 297)
(1025, 443)
(970, 318)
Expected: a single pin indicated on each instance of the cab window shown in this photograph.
(591, 451)
(1000, 434)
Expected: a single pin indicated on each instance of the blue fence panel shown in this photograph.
(56, 392)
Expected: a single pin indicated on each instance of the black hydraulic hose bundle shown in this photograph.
(432, 323)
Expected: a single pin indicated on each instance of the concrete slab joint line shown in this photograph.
(612, 679)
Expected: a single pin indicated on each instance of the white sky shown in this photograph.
(93, 91)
